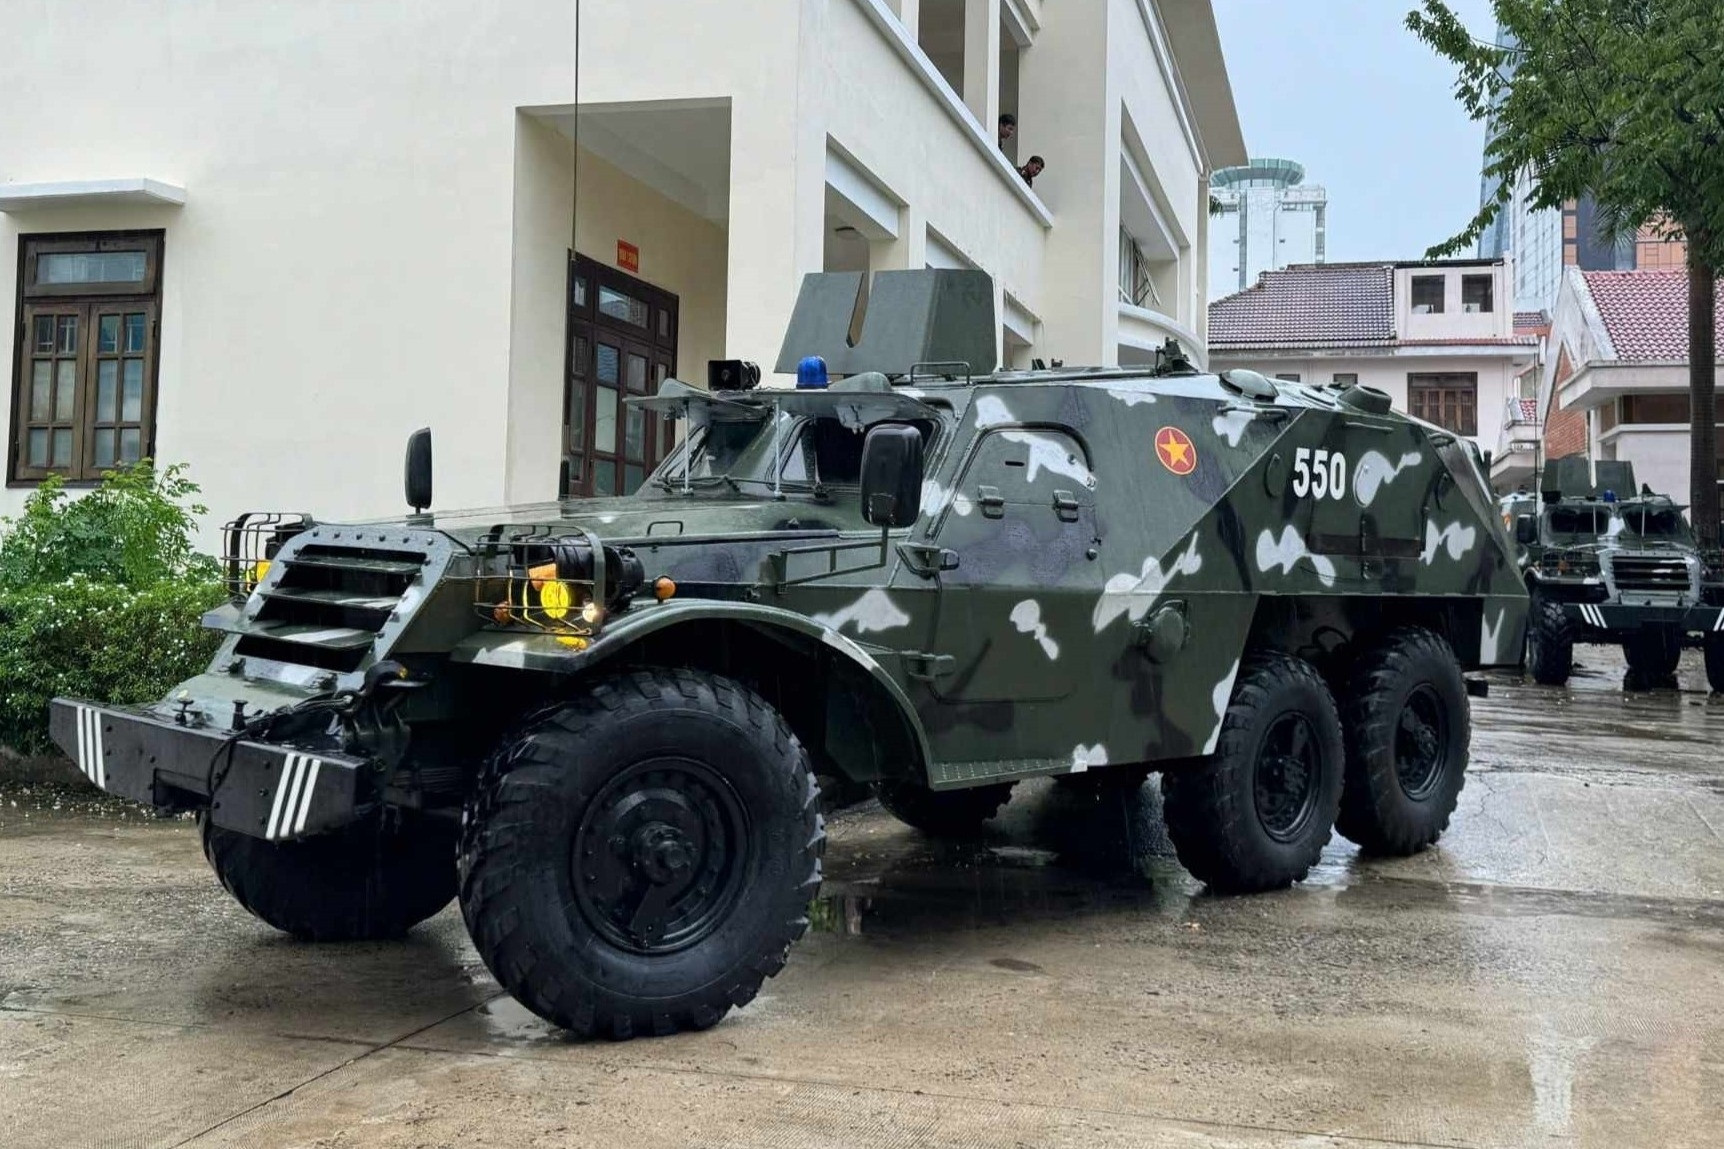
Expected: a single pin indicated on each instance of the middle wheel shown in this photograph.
(1257, 813)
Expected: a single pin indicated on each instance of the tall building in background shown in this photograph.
(1544, 241)
(1264, 217)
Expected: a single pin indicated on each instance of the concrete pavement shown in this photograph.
(1552, 974)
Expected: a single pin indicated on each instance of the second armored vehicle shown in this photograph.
(597, 722)
(1608, 565)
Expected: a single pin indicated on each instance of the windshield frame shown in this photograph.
(791, 428)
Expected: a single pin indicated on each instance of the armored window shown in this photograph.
(1428, 294)
(84, 385)
(1450, 400)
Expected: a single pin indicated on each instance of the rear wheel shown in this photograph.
(1408, 727)
(1652, 653)
(639, 860)
(942, 813)
(1257, 814)
(360, 884)
(1549, 642)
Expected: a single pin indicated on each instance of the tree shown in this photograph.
(1622, 100)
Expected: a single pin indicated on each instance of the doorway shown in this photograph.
(621, 342)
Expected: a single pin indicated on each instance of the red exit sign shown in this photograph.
(628, 256)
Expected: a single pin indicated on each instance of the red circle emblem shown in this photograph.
(1173, 447)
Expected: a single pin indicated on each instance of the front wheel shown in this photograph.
(1549, 642)
(640, 859)
(364, 883)
(1257, 814)
(1652, 654)
(1408, 728)
(1714, 651)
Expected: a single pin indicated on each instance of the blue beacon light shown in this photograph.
(811, 372)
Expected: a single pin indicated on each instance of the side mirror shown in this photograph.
(892, 475)
(418, 477)
(1526, 530)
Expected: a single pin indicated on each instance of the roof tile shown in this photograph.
(1309, 305)
(1646, 312)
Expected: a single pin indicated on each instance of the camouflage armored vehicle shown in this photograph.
(1605, 564)
(597, 723)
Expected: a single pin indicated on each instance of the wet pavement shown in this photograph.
(1551, 974)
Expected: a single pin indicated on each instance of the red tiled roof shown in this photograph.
(1646, 312)
(1322, 305)
(1530, 321)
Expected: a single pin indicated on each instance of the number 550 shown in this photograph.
(1321, 474)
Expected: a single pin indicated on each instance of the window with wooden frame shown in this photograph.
(84, 377)
(1450, 400)
(622, 342)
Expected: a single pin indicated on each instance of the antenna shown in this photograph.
(564, 477)
(575, 169)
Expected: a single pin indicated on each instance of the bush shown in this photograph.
(100, 597)
(96, 640)
(135, 530)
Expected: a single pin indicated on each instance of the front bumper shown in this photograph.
(1616, 617)
(265, 790)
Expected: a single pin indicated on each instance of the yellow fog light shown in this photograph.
(258, 570)
(555, 599)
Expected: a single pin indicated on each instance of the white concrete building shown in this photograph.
(269, 241)
(1438, 337)
(1266, 217)
(1615, 384)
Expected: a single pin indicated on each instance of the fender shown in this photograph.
(546, 653)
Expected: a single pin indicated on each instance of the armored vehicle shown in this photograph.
(597, 723)
(1606, 564)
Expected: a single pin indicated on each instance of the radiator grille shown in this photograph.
(1647, 572)
(328, 604)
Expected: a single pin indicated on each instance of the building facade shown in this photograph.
(1265, 218)
(1615, 384)
(1545, 241)
(1438, 336)
(280, 239)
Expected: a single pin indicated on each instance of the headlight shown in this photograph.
(553, 584)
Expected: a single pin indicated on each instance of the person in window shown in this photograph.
(1008, 129)
(1032, 169)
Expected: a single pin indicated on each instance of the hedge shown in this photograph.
(100, 598)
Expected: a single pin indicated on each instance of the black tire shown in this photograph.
(1549, 642)
(1652, 654)
(942, 813)
(365, 883)
(1408, 727)
(1257, 814)
(639, 860)
(1714, 651)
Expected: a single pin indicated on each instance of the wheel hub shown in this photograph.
(1289, 766)
(660, 855)
(1421, 742)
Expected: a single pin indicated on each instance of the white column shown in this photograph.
(910, 15)
(982, 60)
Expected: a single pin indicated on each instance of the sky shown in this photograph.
(1342, 87)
